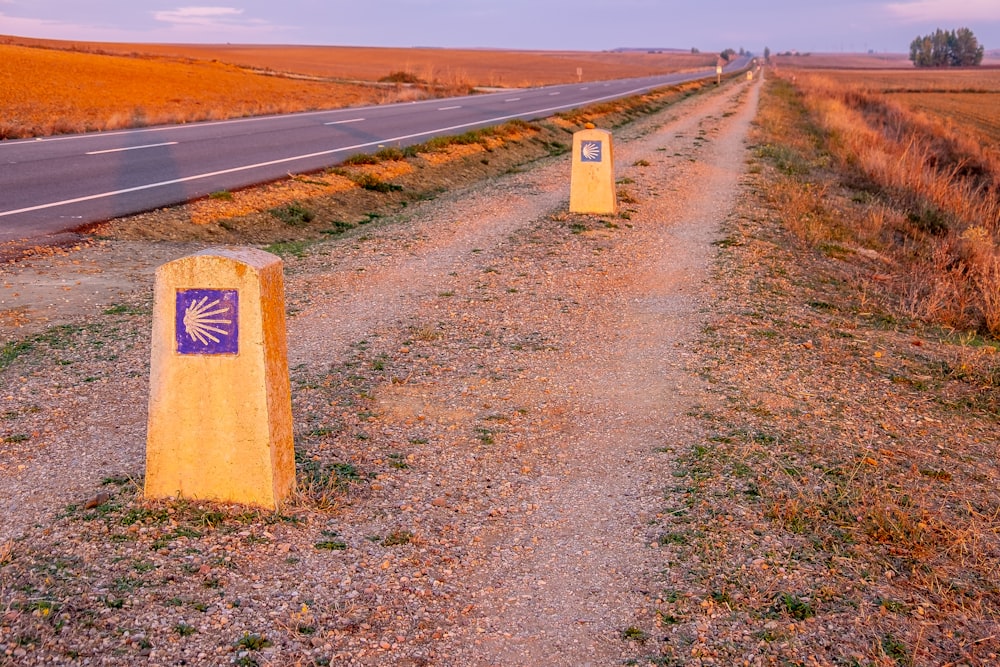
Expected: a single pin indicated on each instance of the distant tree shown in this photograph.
(957, 48)
(767, 54)
(727, 55)
(968, 50)
(694, 50)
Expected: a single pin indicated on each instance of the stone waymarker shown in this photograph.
(220, 413)
(592, 180)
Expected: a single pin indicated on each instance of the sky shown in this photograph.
(593, 25)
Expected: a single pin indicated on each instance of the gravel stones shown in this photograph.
(489, 396)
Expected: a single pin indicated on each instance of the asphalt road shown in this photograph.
(56, 184)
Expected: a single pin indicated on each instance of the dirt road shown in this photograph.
(507, 385)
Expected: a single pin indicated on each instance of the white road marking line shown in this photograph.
(203, 124)
(457, 106)
(513, 99)
(341, 122)
(555, 93)
(130, 148)
(441, 130)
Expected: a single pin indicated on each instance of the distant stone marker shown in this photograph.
(220, 414)
(592, 180)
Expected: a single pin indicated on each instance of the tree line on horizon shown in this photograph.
(943, 48)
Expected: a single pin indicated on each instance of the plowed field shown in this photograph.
(47, 91)
(52, 87)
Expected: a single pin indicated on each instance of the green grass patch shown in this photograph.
(293, 214)
(289, 248)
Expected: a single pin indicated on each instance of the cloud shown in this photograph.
(946, 10)
(206, 17)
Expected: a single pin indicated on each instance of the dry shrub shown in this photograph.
(933, 291)
(803, 212)
(988, 284)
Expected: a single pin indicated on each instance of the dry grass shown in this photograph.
(860, 443)
(79, 86)
(930, 191)
(965, 98)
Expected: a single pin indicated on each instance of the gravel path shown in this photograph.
(506, 385)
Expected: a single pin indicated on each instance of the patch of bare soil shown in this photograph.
(503, 447)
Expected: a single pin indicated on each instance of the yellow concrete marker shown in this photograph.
(220, 411)
(592, 180)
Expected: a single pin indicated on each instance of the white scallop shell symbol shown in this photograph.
(199, 321)
(591, 150)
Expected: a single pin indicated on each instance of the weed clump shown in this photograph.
(293, 214)
(401, 76)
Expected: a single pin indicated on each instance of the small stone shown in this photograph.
(97, 500)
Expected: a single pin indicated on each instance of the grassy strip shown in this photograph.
(512, 144)
(926, 200)
(847, 487)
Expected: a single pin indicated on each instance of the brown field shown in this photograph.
(50, 92)
(842, 60)
(979, 79)
(860, 60)
(478, 67)
(968, 98)
(52, 87)
(979, 113)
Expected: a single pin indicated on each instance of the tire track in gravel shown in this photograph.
(382, 285)
(559, 586)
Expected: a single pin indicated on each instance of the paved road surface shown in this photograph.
(54, 184)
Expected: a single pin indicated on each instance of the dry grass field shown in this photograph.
(978, 112)
(476, 67)
(929, 172)
(969, 99)
(51, 92)
(841, 61)
(56, 87)
(862, 385)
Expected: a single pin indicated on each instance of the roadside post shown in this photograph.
(750, 75)
(718, 74)
(220, 414)
(592, 180)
